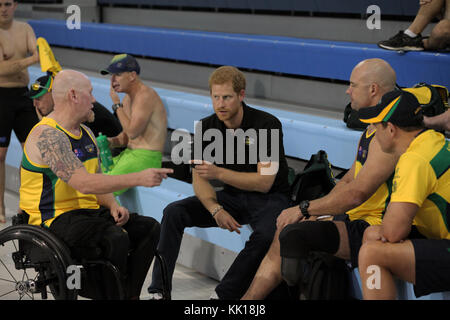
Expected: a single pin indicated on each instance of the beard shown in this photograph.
(91, 117)
(43, 113)
(230, 114)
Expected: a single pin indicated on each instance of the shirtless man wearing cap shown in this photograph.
(17, 53)
(142, 116)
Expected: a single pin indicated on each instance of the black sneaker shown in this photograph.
(403, 42)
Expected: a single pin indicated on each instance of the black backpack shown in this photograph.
(324, 277)
(351, 118)
(432, 98)
(315, 181)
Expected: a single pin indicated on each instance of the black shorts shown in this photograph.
(355, 231)
(432, 266)
(16, 113)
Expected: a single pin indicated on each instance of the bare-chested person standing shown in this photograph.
(17, 52)
(142, 116)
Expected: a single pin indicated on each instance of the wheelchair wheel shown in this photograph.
(33, 263)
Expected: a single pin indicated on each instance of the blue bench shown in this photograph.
(399, 8)
(303, 57)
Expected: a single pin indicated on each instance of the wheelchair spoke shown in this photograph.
(26, 293)
(21, 296)
(6, 280)
(8, 293)
(8, 270)
(26, 277)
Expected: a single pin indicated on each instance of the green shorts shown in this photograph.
(134, 160)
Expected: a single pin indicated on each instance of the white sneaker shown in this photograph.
(155, 296)
(214, 296)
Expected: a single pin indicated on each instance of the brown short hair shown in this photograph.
(225, 74)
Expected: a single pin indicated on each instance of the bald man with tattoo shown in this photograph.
(64, 190)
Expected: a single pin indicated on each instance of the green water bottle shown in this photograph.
(105, 152)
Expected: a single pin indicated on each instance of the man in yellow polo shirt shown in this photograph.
(419, 207)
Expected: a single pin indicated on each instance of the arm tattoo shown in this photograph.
(57, 153)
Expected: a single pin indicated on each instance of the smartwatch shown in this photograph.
(116, 105)
(304, 205)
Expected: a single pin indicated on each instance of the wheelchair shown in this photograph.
(39, 264)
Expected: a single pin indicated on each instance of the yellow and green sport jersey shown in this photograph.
(422, 177)
(42, 194)
(373, 208)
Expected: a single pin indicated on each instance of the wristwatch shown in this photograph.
(116, 105)
(304, 205)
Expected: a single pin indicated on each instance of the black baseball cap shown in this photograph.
(41, 86)
(399, 107)
(122, 63)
